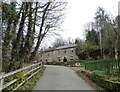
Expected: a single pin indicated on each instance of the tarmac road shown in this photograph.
(60, 78)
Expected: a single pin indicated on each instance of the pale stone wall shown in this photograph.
(58, 55)
(68, 53)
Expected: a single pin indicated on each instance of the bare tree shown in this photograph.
(51, 19)
(70, 41)
(59, 42)
(24, 32)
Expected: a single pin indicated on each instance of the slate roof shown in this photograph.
(66, 46)
(50, 49)
(60, 47)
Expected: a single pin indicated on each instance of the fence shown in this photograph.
(27, 72)
(110, 67)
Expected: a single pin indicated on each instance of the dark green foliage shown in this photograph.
(8, 18)
(102, 42)
(80, 52)
(91, 38)
(8, 11)
(102, 38)
(88, 52)
(94, 52)
(90, 48)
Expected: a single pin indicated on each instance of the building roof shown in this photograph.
(60, 47)
(66, 46)
(50, 49)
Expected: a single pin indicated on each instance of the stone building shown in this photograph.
(58, 54)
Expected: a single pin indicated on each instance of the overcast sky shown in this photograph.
(81, 12)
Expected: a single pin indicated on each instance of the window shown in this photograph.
(48, 54)
(71, 50)
(59, 58)
(71, 58)
(64, 51)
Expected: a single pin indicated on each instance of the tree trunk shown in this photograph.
(16, 45)
(40, 37)
(27, 46)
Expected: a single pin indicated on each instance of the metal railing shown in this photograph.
(29, 71)
(109, 66)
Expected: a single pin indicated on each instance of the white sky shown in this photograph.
(81, 12)
(78, 14)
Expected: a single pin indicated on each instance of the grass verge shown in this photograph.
(87, 80)
(28, 86)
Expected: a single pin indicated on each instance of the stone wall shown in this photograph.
(58, 55)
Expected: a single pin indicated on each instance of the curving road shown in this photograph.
(60, 78)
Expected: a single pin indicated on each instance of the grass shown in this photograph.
(28, 86)
(90, 82)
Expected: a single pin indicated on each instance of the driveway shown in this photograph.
(60, 78)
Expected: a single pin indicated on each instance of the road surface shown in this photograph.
(60, 78)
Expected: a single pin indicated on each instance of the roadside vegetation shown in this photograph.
(87, 80)
(28, 86)
(99, 54)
